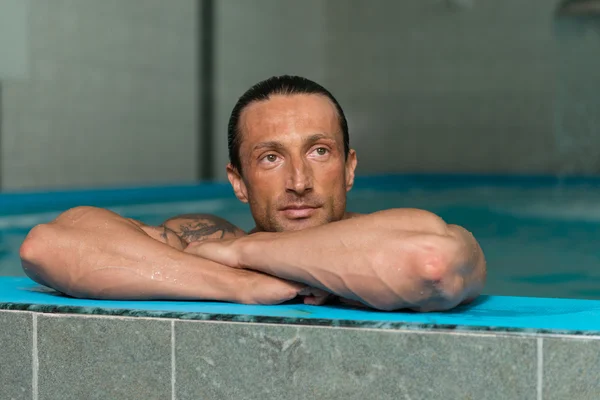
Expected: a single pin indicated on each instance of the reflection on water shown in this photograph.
(538, 242)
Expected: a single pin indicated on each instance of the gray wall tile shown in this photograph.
(111, 97)
(571, 369)
(103, 358)
(16, 363)
(13, 40)
(428, 86)
(243, 361)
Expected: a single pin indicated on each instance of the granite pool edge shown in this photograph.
(260, 319)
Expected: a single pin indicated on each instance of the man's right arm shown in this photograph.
(94, 253)
(198, 227)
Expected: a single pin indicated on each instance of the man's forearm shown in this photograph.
(389, 260)
(95, 253)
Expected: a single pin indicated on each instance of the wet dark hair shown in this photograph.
(277, 85)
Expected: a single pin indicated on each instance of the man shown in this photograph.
(290, 160)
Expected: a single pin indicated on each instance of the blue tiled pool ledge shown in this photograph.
(488, 313)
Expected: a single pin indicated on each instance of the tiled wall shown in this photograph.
(52, 356)
(110, 98)
(451, 86)
(428, 85)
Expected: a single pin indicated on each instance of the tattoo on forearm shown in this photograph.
(196, 227)
(164, 233)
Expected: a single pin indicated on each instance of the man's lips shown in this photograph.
(299, 207)
(298, 211)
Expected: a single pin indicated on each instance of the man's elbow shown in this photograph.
(32, 252)
(451, 275)
(415, 286)
(36, 251)
(441, 288)
(35, 242)
(440, 275)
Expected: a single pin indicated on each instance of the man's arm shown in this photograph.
(196, 228)
(199, 227)
(393, 259)
(95, 253)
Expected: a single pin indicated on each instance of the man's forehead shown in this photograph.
(288, 112)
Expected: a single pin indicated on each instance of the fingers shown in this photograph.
(315, 301)
(314, 296)
(219, 251)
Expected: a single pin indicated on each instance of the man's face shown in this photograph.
(294, 173)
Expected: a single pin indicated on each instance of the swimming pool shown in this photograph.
(539, 234)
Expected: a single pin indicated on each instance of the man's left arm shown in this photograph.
(388, 260)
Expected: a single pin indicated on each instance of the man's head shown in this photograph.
(290, 155)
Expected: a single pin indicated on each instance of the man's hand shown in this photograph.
(258, 288)
(222, 251)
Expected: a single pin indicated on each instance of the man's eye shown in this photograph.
(271, 158)
(322, 151)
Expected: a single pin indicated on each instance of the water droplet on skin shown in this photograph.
(156, 275)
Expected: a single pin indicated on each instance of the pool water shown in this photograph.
(539, 242)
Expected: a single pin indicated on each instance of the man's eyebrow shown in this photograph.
(275, 145)
(318, 136)
(268, 145)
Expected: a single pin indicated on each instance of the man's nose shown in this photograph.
(300, 179)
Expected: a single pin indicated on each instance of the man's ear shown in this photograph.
(351, 162)
(237, 183)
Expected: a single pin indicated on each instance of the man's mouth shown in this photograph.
(298, 211)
